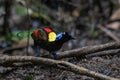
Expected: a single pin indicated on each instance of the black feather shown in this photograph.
(52, 47)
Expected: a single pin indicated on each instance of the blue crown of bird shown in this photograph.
(46, 38)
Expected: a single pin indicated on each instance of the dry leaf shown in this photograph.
(115, 25)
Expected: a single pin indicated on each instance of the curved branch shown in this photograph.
(106, 52)
(80, 52)
(88, 50)
(53, 63)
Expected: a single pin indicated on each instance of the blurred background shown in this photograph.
(91, 22)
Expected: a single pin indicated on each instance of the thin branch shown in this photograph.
(81, 52)
(103, 53)
(54, 63)
(110, 34)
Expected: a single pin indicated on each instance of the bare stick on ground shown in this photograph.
(106, 52)
(81, 52)
(110, 34)
(10, 60)
(88, 50)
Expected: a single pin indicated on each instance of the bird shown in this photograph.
(46, 38)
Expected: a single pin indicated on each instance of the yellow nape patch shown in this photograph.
(51, 36)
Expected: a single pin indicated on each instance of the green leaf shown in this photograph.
(18, 35)
(23, 11)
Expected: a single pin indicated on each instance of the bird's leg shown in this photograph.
(37, 50)
(55, 55)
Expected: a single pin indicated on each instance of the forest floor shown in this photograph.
(107, 65)
(86, 33)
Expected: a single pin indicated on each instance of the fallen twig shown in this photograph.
(103, 53)
(53, 63)
(109, 33)
(81, 52)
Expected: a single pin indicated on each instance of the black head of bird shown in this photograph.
(49, 40)
(64, 37)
